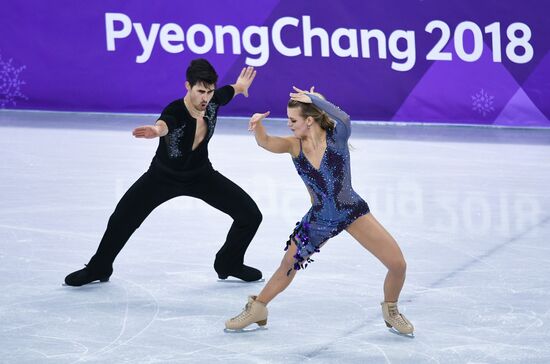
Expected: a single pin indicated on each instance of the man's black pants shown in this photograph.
(157, 186)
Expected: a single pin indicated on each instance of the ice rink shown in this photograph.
(470, 208)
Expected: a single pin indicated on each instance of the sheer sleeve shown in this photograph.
(342, 119)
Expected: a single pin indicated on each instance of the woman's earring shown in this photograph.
(308, 126)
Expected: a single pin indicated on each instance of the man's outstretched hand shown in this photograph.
(244, 80)
(146, 131)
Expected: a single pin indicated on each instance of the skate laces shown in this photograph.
(393, 311)
(244, 314)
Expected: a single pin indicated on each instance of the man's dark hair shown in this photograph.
(201, 71)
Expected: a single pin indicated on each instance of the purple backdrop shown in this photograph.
(475, 62)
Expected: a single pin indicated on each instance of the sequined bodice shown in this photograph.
(330, 185)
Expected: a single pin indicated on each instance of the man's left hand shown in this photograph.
(245, 80)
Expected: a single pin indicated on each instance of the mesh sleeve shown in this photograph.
(342, 119)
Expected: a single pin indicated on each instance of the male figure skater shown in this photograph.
(181, 167)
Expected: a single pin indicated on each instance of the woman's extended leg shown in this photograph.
(372, 235)
(280, 280)
(255, 310)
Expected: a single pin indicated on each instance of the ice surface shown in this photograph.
(468, 206)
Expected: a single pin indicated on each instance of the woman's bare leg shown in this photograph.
(372, 235)
(279, 280)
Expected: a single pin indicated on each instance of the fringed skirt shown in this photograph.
(311, 233)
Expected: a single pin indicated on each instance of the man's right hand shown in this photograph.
(146, 131)
(151, 131)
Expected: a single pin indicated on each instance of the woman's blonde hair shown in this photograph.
(318, 115)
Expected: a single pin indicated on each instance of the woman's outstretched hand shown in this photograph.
(255, 119)
(302, 95)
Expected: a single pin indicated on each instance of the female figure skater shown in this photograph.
(319, 150)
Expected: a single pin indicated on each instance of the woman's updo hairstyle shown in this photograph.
(308, 109)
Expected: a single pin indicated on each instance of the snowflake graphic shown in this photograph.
(482, 102)
(10, 83)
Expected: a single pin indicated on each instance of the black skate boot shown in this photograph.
(245, 273)
(85, 276)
